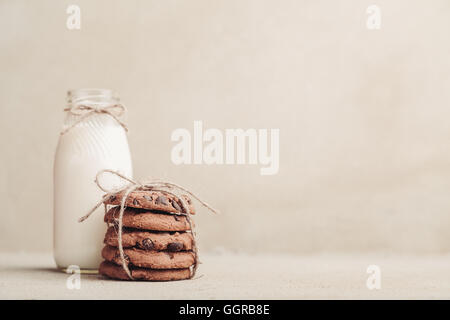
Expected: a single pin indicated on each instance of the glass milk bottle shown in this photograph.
(88, 143)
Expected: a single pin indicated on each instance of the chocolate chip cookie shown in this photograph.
(114, 271)
(146, 220)
(152, 200)
(173, 241)
(150, 259)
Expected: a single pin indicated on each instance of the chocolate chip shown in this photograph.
(175, 246)
(176, 206)
(171, 256)
(135, 202)
(117, 256)
(112, 198)
(149, 198)
(148, 244)
(162, 200)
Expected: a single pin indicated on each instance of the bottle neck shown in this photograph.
(93, 98)
(97, 97)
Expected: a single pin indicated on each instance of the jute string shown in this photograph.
(83, 111)
(166, 187)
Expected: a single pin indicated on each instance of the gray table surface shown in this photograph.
(241, 276)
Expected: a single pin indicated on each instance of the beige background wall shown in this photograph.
(364, 116)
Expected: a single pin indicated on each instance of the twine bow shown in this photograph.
(152, 185)
(84, 111)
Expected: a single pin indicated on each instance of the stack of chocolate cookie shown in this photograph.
(157, 238)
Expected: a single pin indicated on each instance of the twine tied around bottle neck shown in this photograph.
(151, 185)
(83, 111)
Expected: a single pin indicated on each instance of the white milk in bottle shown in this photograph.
(88, 143)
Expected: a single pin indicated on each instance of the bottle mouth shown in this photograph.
(91, 96)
